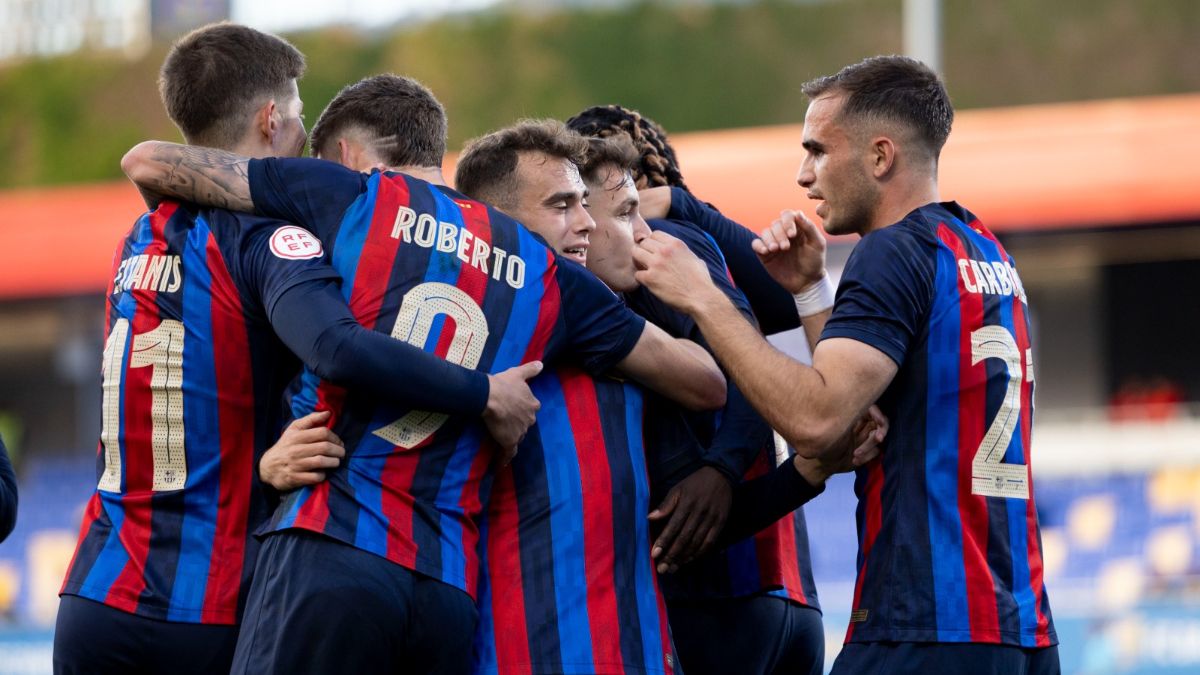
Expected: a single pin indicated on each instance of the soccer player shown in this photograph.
(665, 195)
(751, 607)
(931, 320)
(569, 585)
(193, 383)
(375, 569)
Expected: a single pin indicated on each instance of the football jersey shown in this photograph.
(775, 560)
(193, 382)
(569, 585)
(425, 264)
(949, 545)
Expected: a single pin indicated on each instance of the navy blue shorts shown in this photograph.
(897, 658)
(91, 637)
(756, 635)
(320, 606)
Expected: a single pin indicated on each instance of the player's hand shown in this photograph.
(869, 433)
(655, 202)
(792, 250)
(303, 455)
(511, 407)
(669, 269)
(695, 511)
(861, 444)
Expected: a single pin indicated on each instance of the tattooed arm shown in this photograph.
(189, 173)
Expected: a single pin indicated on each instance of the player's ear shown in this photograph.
(265, 121)
(883, 156)
(346, 154)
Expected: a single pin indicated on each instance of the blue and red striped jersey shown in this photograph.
(738, 442)
(569, 586)
(193, 383)
(425, 264)
(949, 544)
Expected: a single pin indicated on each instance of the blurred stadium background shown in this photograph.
(1077, 140)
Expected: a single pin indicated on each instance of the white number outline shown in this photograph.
(421, 305)
(161, 350)
(990, 475)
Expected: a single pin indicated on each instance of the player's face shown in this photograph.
(837, 170)
(613, 204)
(551, 200)
(290, 136)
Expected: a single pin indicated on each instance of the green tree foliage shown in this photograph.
(689, 66)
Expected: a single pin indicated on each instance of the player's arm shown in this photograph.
(312, 193)
(312, 319)
(760, 502)
(812, 407)
(676, 368)
(606, 335)
(8, 494)
(190, 173)
(773, 305)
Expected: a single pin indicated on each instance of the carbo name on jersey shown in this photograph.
(426, 231)
(149, 273)
(981, 276)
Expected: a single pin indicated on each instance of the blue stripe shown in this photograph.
(564, 486)
(1017, 518)
(643, 574)
(526, 304)
(348, 245)
(352, 235)
(202, 436)
(744, 571)
(942, 452)
(113, 557)
(365, 478)
(483, 655)
(458, 468)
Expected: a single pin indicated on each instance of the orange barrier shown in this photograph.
(1090, 164)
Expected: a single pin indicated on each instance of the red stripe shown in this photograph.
(138, 437)
(472, 508)
(595, 477)
(873, 495)
(313, 514)
(396, 502)
(378, 255)
(1032, 543)
(775, 545)
(90, 514)
(235, 414)
(509, 629)
(547, 312)
(972, 414)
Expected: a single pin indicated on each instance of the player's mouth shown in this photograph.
(577, 253)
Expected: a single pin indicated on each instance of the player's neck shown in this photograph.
(901, 200)
(429, 174)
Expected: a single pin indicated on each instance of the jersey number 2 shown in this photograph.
(161, 350)
(422, 304)
(990, 475)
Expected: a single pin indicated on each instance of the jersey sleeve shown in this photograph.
(276, 256)
(885, 292)
(314, 322)
(772, 304)
(600, 330)
(312, 193)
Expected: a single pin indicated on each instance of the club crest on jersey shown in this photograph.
(295, 243)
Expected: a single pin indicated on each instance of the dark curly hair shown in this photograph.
(656, 164)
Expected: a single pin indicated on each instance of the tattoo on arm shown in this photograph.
(201, 175)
